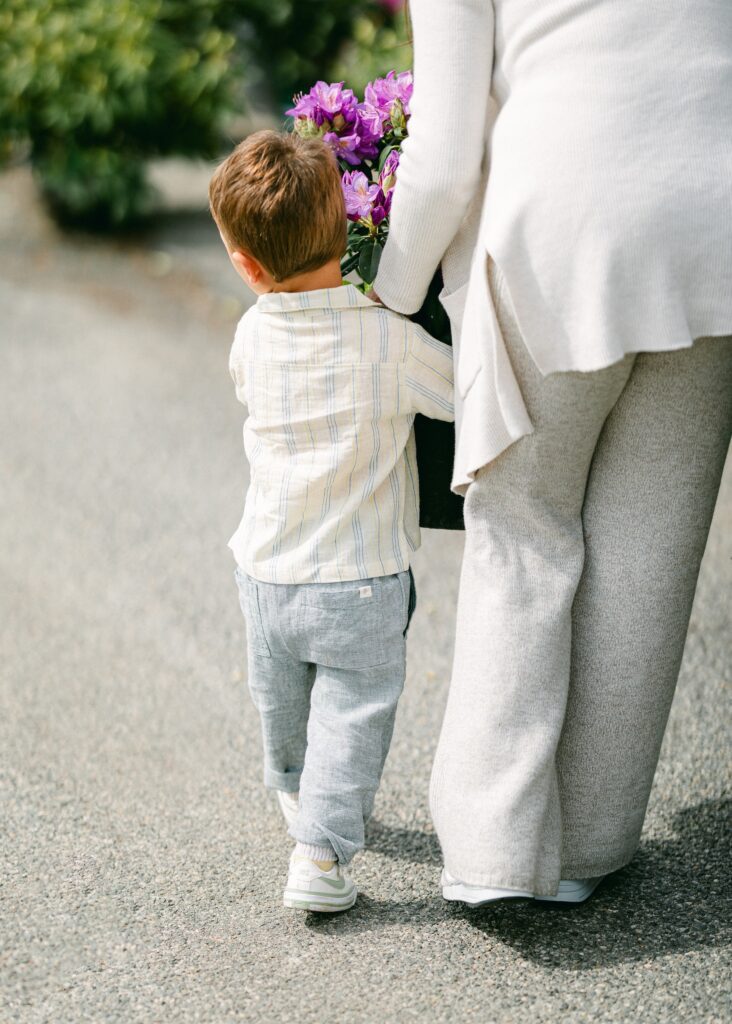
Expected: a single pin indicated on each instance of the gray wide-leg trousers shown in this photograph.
(583, 546)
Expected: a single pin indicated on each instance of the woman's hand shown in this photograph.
(372, 294)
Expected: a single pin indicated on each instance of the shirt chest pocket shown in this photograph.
(342, 628)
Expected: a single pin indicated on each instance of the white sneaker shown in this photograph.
(289, 805)
(573, 890)
(311, 888)
(477, 895)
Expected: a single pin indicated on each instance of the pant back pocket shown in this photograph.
(343, 625)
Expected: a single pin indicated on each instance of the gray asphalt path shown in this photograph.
(141, 862)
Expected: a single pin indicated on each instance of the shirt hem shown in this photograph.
(325, 574)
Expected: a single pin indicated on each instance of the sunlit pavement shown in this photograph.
(142, 862)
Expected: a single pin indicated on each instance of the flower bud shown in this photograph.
(398, 117)
(308, 129)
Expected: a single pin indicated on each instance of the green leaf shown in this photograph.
(368, 263)
(385, 154)
(356, 243)
(349, 263)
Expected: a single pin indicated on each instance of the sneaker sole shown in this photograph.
(571, 893)
(458, 892)
(319, 903)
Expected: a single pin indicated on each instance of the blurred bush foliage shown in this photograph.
(376, 45)
(96, 87)
(306, 40)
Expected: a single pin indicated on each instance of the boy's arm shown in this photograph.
(429, 375)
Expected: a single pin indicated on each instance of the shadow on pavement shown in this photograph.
(403, 843)
(370, 915)
(672, 898)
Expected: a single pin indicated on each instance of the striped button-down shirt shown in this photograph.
(332, 383)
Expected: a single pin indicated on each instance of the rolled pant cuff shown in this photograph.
(288, 782)
(319, 835)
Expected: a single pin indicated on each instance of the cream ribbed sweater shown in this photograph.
(586, 145)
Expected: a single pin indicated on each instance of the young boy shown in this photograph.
(332, 382)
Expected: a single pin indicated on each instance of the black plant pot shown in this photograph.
(439, 508)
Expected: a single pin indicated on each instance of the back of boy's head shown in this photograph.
(278, 198)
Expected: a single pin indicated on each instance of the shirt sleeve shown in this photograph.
(429, 376)
(441, 162)
(237, 358)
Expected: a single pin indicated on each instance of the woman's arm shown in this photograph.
(441, 159)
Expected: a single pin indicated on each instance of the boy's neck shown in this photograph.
(327, 276)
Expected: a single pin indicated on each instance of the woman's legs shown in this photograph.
(507, 753)
(494, 793)
(649, 503)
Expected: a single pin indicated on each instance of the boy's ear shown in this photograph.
(247, 267)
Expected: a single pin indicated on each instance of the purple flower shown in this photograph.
(387, 178)
(326, 105)
(381, 207)
(345, 147)
(371, 122)
(369, 132)
(391, 96)
(360, 195)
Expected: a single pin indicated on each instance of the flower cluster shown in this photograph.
(334, 113)
(389, 99)
(365, 137)
(369, 202)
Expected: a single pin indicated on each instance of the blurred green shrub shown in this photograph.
(94, 88)
(377, 44)
(301, 41)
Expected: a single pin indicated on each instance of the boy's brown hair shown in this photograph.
(278, 198)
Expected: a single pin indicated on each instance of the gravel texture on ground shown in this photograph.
(142, 862)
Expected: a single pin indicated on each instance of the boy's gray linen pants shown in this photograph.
(583, 546)
(326, 669)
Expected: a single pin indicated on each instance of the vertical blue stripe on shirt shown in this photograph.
(313, 452)
(356, 521)
(303, 516)
(376, 415)
(333, 434)
(282, 505)
(338, 337)
(383, 334)
(412, 476)
(287, 405)
(396, 495)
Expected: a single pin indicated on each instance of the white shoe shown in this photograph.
(289, 805)
(311, 888)
(476, 895)
(573, 890)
